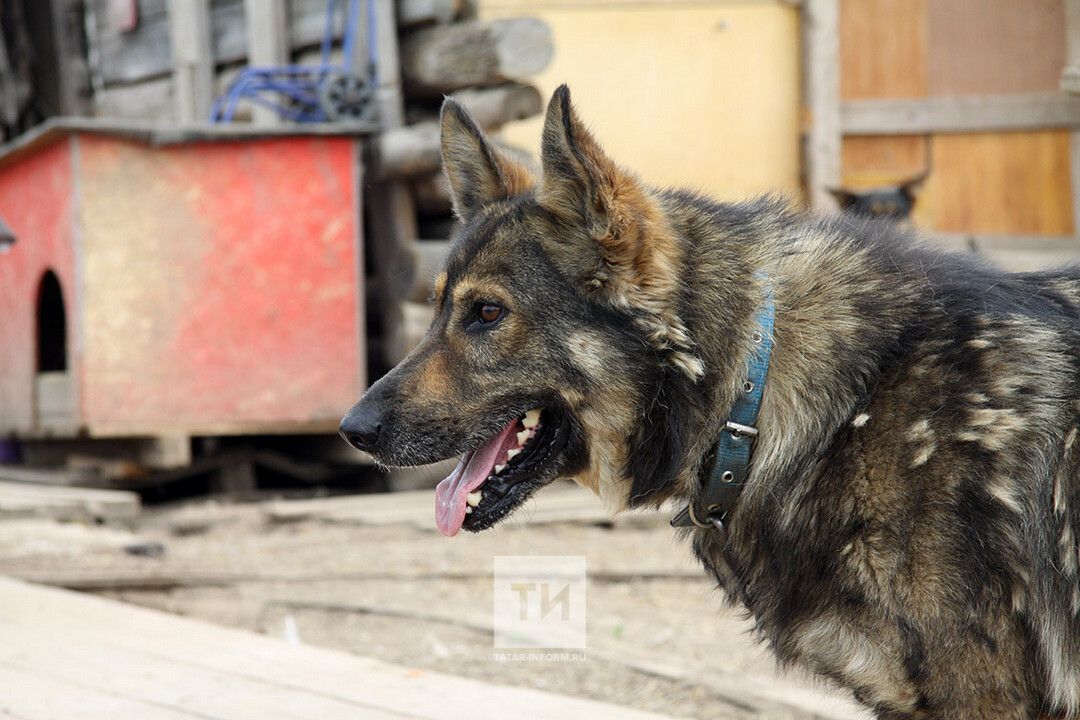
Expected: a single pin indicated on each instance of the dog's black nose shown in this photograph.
(361, 427)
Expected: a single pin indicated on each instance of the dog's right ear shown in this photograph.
(478, 172)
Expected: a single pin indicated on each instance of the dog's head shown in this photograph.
(554, 328)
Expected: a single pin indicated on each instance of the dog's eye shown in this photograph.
(486, 314)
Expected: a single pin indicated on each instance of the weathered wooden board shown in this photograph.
(145, 52)
(22, 500)
(965, 114)
(870, 161)
(882, 49)
(982, 182)
(1016, 183)
(977, 47)
(60, 477)
(824, 138)
(75, 655)
(564, 502)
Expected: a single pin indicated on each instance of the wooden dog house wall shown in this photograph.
(179, 284)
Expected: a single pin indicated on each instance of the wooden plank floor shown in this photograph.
(67, 655)
(566, 502)
(23, 500)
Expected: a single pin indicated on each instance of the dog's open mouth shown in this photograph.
(498, 476)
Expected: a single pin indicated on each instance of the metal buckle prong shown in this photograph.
(738, 429)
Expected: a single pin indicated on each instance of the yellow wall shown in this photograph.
(688, 93)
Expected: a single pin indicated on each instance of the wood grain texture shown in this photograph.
(821, 23)
(963, 114)
(1014, 183)
(23, 500)
(96, 659)
(882, 49)
(1002, 182)
(994, 46)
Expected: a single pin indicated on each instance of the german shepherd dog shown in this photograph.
(910, 522)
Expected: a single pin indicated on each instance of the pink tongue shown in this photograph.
(470, 473)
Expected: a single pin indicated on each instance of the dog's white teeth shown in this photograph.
(474, 498)
(531, 419)
(468, 510)
(512, 453)
(499, 468)
(523, 437)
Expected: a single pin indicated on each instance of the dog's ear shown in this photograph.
(581, 184)
(844, 198)
(913, 186)
(588, 192)
(638, 251)
(478, 172)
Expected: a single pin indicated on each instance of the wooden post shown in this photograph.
(193, 59)
(267, 43)
(821, 34)
(393, 216)
(67, 16)
(444, 58)
(1072, 60)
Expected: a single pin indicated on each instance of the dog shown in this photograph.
(896, 202)
(909, 519)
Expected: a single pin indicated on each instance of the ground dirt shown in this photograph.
(659, 635)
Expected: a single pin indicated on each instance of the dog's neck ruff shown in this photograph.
(733, 450)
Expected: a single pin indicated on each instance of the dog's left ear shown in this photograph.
(478, 172)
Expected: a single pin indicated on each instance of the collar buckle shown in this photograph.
(740, 430)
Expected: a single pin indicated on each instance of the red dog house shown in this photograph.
(183, 283)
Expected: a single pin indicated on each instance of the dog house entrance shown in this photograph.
(54, 394)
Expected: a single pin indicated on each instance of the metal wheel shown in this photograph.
(347, 98)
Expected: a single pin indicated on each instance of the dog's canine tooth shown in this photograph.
(531, 419)
(523, 437)
(474, 498)
(499, 468)
(468, 510)
(512, 453)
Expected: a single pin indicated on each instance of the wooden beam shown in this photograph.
(411, 13)
(445, 58)
(432, 194)
(409, 151)
(193, 58)
(75, 655)
(24, 500)
(1070, 81)
(412, 150)
(268, 44)
(393, 227)
(821, 33)
(74, 78)
(964, 114)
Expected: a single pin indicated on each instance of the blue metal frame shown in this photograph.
(292, 91)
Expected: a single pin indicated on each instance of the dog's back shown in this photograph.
(921, 545)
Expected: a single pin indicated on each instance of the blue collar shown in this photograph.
(735, 446)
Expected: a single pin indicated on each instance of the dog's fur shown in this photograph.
(911, 520)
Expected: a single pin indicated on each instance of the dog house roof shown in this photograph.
(161, 135)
